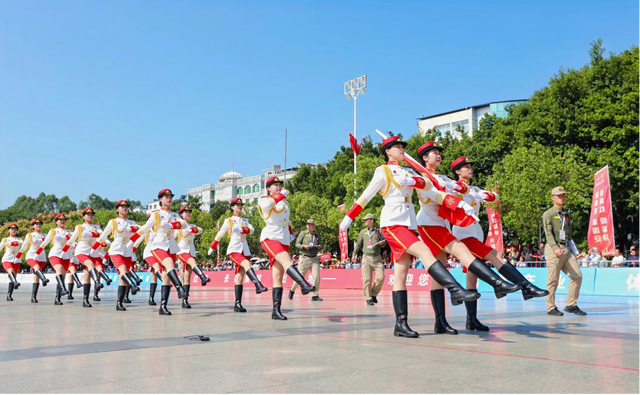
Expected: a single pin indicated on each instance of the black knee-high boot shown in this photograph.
(57, 300)
(70, 295)
(185, 301)
(203, 277)
(87, 292)
(34, 292)
(165, 290)
(75, 278)
(135, 277)
(105, 277)
(400, 306)
(438, 303)
(296, 276)
(42, 277)
(130, 283)
(119, 304)
(472, 320)
(458, 294)
(254, 279)
(13, 279)
(96, 280)
(10, 291)
(238, 305)
(528, 290)
(127, 290)
(173, 276)
(500, 287)
(152, 293)
(96, 298)
(277, 302)
(60, 281)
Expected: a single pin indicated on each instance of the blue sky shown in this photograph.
(124, 98)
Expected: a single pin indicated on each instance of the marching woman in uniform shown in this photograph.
(85, 235)
(100, 262)
(164, 246)
(187, 253)
(154, 266)
(237, 228)
(275, 238)
(398, 224)
(10, 260)
(120, 250)
(59, 254)
(433, 231)
(472, 237)
(37, 261)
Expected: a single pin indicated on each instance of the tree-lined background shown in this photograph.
(581, 121)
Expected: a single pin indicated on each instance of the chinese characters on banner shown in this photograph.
(494, 235)
(601, 221)
(344, 245)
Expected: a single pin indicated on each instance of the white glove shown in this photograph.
(406, 181)
(292, 238)
(573, 248)
(468, 210)
(285, 193)
(129, 244)
(236, 229)
(346, 222)
(167, 225)
(210, 251)
(452, 185)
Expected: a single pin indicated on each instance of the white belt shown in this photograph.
(398, 199)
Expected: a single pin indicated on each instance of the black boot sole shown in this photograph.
(400, 334)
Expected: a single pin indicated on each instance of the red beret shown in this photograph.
(391, 141)
(235, 201)
(184, 208)
(36, 221)
(458, 163)
(122, 202)
(60, 216)
(165, 191)
(88, 210)
(272, 180)
(425, 148)
(13, 226)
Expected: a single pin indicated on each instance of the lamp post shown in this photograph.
(352, 89)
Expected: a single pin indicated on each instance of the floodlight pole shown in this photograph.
(352, 89)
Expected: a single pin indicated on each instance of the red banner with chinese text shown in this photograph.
(494, 235)
(601, 220)
(344, 245)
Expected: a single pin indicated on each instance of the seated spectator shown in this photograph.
(632, 259)
(521, 261)
(618, 258)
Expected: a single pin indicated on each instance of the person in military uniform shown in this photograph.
(308, 243)
(370, 242)
(561, 252)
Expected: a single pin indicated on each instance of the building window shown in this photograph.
(256, 188)
(461, 125)
(444, 128)
(212, 195)
(239, 191)
(247, 190)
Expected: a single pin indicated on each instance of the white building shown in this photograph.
(232, 184)
(466, 119)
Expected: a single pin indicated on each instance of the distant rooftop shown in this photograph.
(467, 108)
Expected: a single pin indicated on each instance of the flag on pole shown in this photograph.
(355, 147)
